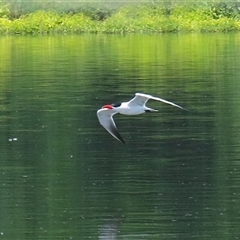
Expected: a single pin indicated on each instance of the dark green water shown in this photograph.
(62, 176)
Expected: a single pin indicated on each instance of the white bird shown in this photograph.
(135, 106)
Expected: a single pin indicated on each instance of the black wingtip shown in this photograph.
(114, 132)
(120, 139)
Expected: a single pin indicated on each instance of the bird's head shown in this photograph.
(111, 106)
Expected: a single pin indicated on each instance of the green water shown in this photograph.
(64, 177)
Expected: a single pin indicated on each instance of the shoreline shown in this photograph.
(142, 18)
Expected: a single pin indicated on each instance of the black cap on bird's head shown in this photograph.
(116, 104)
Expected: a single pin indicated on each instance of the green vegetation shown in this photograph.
(141, 18)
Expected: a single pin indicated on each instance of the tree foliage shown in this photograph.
(149, 17)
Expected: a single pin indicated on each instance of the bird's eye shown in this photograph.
(116, 104)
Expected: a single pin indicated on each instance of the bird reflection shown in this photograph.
(108, 231)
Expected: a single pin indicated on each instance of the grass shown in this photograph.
(141, 18)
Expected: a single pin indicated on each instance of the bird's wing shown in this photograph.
(141, 99)
(105, 117)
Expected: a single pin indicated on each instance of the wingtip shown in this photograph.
(185, 109)
(121, 140)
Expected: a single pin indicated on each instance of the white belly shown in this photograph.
(126, 110)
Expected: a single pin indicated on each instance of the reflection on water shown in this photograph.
(108, 231)
(64, 177)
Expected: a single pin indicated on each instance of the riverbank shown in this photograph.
(143, 18)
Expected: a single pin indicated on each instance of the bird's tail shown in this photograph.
(150, 110)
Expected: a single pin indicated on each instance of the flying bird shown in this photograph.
(135, 106)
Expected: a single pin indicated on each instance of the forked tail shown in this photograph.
(150, 110)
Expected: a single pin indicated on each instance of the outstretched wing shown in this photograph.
(105, 117)
(141, 99)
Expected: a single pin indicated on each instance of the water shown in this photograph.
(64, 177)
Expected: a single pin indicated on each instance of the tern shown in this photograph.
(135, 106)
